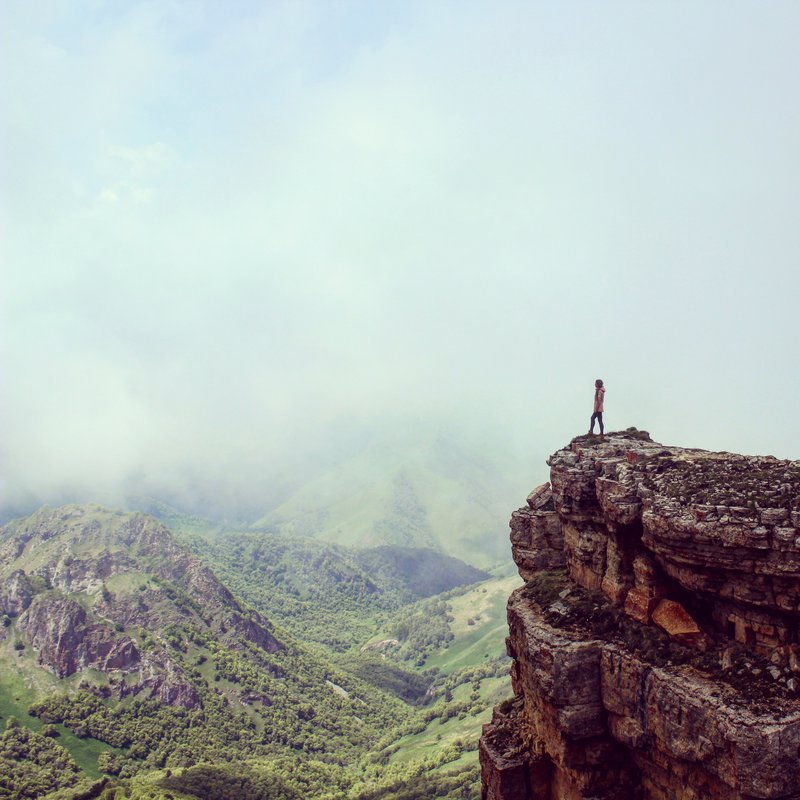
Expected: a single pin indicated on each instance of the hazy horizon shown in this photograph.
(238, 237)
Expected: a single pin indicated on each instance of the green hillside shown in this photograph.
(479, 625)
(425, 492)
(458, 637)
(335, 595)
(232, 703)
(118, 633)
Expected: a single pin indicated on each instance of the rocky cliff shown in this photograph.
(656, 643)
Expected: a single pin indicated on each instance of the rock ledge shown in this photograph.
(656, 644)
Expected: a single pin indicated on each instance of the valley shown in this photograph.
(157, 656)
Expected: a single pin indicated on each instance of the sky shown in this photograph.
(232, 232)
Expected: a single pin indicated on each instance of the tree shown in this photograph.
(108, 761)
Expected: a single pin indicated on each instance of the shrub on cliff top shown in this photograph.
(544, 587)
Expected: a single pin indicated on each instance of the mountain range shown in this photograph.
(118, 638)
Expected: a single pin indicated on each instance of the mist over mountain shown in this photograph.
(268, 479)
(426, 491)
(415, 485)
(235, 240)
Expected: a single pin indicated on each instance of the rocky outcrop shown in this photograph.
(66, 641)
(250, 628)
(655, 645)
(16, 593)
(163, 679)
(78, 548)
(90, 588)
(537, 538)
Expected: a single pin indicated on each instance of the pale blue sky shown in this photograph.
(228, 224)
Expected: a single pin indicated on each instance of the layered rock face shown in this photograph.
(656, 643)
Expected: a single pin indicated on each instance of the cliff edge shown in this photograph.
(656, 643)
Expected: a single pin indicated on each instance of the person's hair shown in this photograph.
(598, 383)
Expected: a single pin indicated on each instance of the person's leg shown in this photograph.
(600, 420)
(591, 423)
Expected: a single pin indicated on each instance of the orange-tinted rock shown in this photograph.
(639, 606)
(675, 619)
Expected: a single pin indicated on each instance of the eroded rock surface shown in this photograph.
(655, 644)
(67, 641)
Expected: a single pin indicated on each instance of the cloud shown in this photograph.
(227, 231)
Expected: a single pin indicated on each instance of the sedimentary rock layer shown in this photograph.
(655, 647)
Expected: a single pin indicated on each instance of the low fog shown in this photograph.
(241, 241)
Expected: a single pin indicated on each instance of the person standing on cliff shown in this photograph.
(599, 394)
